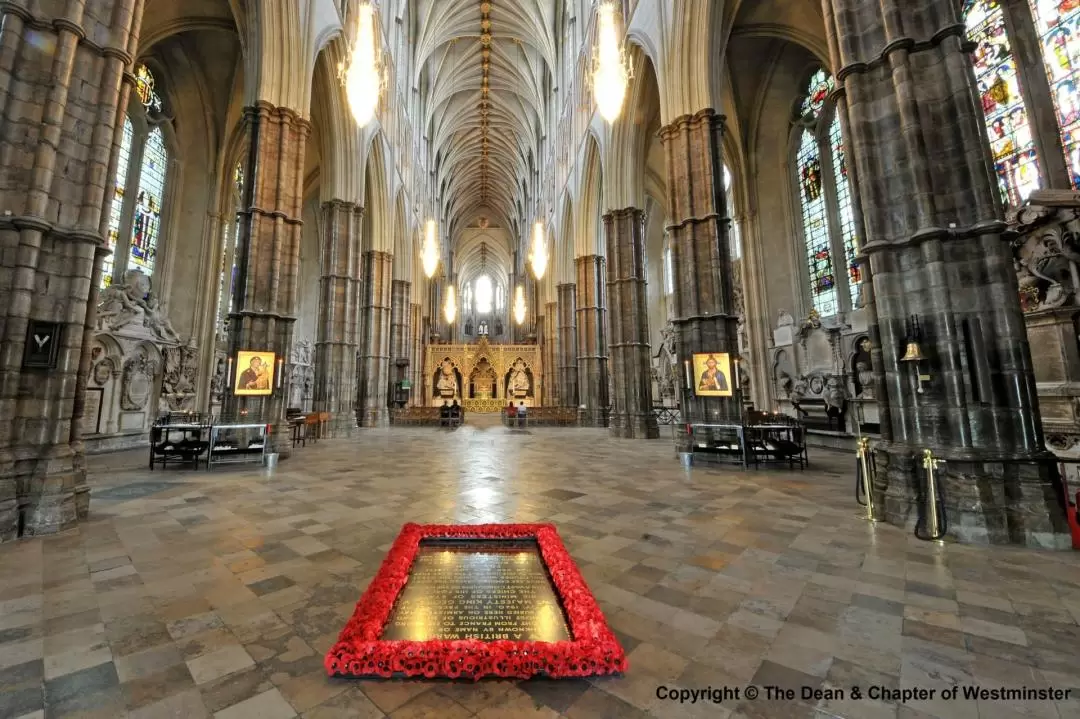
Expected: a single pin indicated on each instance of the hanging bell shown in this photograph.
(913, 354)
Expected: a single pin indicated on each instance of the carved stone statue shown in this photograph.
(834, 395)
(798, 392)
(130, 303)
(123, 303)
(217, 383)
(178, 381)
(784, 319)
(302, 353)
(158, 322)
(664, 371)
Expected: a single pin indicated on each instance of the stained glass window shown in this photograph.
(1058, 25)
(466, 299)
(117, 209)
(484, 294)
(1006, 117)
(821, 84)
(816, 227)
(146, 227)
(669, 272)
(846, 212)
(144, 85)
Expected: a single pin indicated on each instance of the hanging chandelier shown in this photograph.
(519, 305)
(538, 257)
(611, 65)
(450, 306)
(429, 253)
(361, 73)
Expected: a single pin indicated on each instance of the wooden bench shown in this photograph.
(423, 416)
(543, 417)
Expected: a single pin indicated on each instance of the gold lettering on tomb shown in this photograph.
(485, 590)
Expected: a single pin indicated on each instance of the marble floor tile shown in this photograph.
(187, 594)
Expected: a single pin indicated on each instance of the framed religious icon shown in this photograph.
(712, 374)
(254, 373)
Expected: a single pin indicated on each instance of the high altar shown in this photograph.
(483, 377)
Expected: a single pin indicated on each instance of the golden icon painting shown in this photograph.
(254, 373)
(712, 374)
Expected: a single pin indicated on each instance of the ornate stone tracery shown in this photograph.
(484, 360)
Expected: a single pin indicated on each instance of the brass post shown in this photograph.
(933, 522)
(863, 452)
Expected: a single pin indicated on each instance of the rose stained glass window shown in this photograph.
(117, 209)
(146, 226)
(1007, 123)
(816, 227)
(1058, 24)
(821, 84)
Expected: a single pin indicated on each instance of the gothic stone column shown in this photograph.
(592, 341)
(551, 334)
(375, 352)
(57, 192)
(567, 361)
(628, 323)
(267, 291)
(934, 235)
(339, 311)
(704, 315)
(416, 352)
(400, 291)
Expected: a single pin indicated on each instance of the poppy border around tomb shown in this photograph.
(359, 652)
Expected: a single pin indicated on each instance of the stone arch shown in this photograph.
(588, 235)
(376, 194)
(338, 134)
(402, 247)
(564, 252)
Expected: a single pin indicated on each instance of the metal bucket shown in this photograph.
(270, 460)
(687, 459)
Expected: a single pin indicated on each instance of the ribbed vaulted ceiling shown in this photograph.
(483, 65)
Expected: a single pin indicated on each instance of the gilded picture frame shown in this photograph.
(712, 374)
(254, 373)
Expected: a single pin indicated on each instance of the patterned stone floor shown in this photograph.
(194, 594)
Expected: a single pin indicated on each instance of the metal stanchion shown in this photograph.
(933, 522)
(865, 473)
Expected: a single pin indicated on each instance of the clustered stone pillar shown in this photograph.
(400, 293)
(567, 361)
(704, 315)
(551, 374)
(339, 314)
(628, 323)
(375, 349)
(52, 242)
(592, 342)
(267, 287)
(416, 353)
(934, 235)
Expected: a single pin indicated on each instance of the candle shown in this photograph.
(689, 375)
(280, 366)
(228, 372)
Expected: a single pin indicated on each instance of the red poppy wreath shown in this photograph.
(593, 649)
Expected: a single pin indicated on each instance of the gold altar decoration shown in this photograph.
(483, 377)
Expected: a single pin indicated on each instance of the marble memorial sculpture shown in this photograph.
(139, 365)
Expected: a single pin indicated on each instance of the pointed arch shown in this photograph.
(564, 247)
(402, 247)
(587, 239)
(376, 194)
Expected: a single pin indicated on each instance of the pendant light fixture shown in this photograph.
(538, 257)
(362, 73)
(612, 69)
